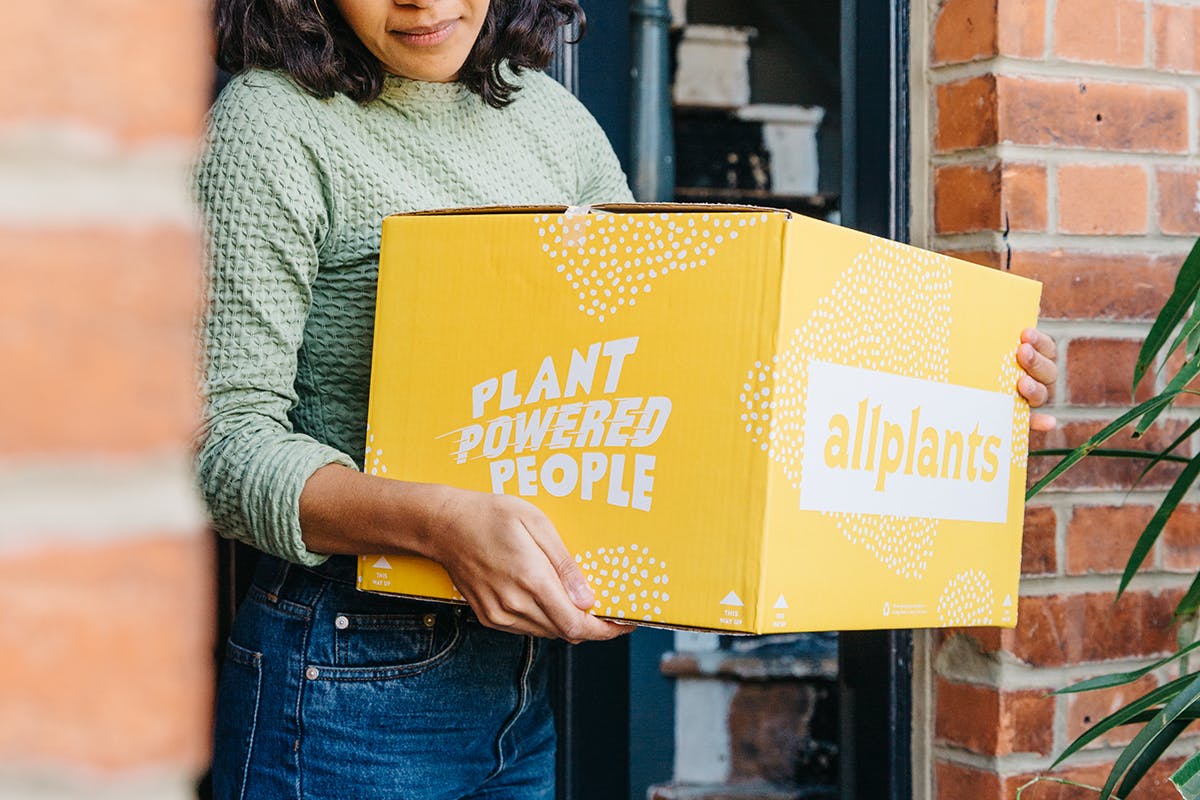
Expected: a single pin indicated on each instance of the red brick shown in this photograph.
(1057, 630)
(1092, 114)
(98, 335)
(991, 722)
(1022, 28)
(966, 198)
(1179, 201)
(965, 30)
(985, 258)
(1096, 472)
(1085, 709)
(1176, 38)
(770, 722)
(1155, 786)
(107, 654)
(958, 782)
(1100, 371)
(966, 114)
(1039, 542)
(1103, 31)
(1099, 285)
(1023, 188)
(1100, 538)
(1180, 540)
(1103, 200)
(138, 69)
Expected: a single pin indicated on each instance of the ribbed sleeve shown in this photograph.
(260, 188)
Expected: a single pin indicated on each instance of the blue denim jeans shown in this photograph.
(328, 692)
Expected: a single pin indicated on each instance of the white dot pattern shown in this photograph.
(967, 600)
(1010, 372)
(889, 312)
(629, 582)
(613, 261)
(373, 458)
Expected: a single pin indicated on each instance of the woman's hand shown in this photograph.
(510, 564)
(1036, 355)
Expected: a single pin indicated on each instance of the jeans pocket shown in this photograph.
(369, 646)
(236, 720)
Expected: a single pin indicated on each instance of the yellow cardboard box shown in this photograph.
(738, 419)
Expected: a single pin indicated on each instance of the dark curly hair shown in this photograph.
(309, 40)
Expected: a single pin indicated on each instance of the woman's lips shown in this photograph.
(427, 36)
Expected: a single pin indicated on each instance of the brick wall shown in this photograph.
(105, 569)
(1065, 147)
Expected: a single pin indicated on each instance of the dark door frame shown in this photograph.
(875, 667)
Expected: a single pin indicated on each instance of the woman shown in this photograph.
(341, 112)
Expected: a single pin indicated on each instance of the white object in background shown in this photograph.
(678, 13)
(790, 136)
(696, 642)
(702, 730)
(713, 66)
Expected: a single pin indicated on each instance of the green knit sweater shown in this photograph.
(293, 190)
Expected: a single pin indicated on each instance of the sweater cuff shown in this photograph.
(279, 531)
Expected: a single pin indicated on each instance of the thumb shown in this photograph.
(576, 584)
(569, 573)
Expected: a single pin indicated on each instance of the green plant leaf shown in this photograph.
(1140, 710)
(1190, 601)
(1191, 715)
(1154, 738)
(1186, 333)
(1148, 757)
(1165, 454)
(1181, 379)
(1098, 439)
(1183, 296)
(1187, 778)
(1122, 678)
(1150, 535)
(1113, 452)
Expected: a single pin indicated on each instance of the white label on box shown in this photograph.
(876, 443)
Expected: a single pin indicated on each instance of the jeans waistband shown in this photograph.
(303, 584)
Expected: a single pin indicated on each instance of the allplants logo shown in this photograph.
(886, 444)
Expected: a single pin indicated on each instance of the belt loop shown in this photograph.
(281, 573)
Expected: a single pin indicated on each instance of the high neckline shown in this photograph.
(396, 87)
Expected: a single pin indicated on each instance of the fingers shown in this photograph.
(1042, 422)
(1041, 342)
(574, 625)
(1037, 355)
(569, 573)
(511, 565)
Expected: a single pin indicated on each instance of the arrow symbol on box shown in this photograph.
(382, 563)
(732, 599)
(1008, 601)
(781, 603)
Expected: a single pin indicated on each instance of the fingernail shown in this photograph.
(581, 594)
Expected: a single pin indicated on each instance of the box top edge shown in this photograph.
(628, 208)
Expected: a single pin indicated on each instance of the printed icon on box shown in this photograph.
(382, 563)
(732, 599)
(887, 609)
